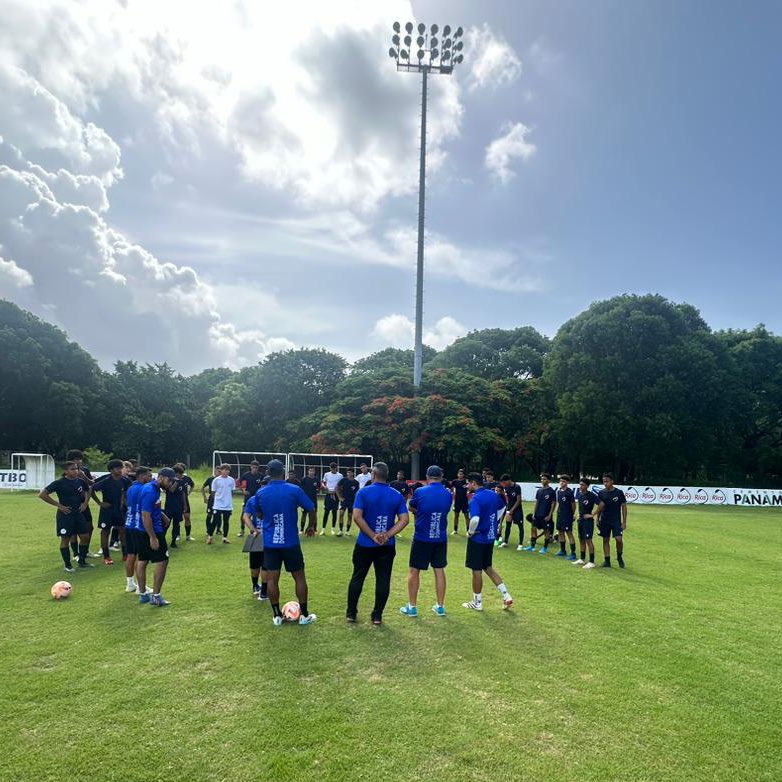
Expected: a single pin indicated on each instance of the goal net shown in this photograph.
(240, 460)
(299, 462)
(38, 466)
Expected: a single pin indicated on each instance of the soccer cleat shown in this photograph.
(528, 548)
(409, 610)
(208, 540)
(178, 538)
(572, 558)
(332, 532)
(145, 598)
(69, 569)
(277, 621)
(507, 602)
(115, 547)
(173, 544)
(131, 587)
(350, 619)
(307, 620)
(225, 540)
(439, 610)
(473, 605)
(503, 544)
(520, 547)
(256, 589)
(190, 538)
(240, 534)
(94, 555)
(322, 532)
(339, 534)
(578, 561)
(159, 600)
(560, 554)
(263, 598)
(621, 562)
(454, 532)
(606, 564)
(108, 561)
(377, 621)
(588, 566)
(84, 565)
(544, 550)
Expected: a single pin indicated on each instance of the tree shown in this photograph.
(392, 358)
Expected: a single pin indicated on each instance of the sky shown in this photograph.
(206, 183)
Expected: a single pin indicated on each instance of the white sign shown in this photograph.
(681, 495)
(13, 479)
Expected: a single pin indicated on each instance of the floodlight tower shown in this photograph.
(432, 55)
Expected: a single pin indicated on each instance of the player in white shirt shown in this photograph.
(331, 503)
(222, 493)
(364, 476)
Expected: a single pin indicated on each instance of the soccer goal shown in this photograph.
(240, 460)
(38, 466)
(299, 462)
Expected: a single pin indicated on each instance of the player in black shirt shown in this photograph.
(310, 486)
(176, 499)
(612, 519)
(400, 484)
(77, 457)
(112, 486)
(293, 477)
(586, 500)
(209, 498)
(347, 489)
(73, 496)
(513, 510)
(189, 485)
(460, 502)
(250, 483)
(542, 517)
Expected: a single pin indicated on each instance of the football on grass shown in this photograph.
(291, 611)
(61, 590)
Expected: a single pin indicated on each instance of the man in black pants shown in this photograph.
(460, 502)
(376, 509)
(310, 486)
(513, 511)
(209, 500)
(331, 501)
(250, 483)
(111, 516)
(347, 489)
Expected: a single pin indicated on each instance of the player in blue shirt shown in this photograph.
(542, 517)
(278, 503)
(151, 539)
(380, 512)
(566, 512)
(586, 500)
(133, 526)
(612, 519)
(253, 546)
(430, 506)
(485, 507)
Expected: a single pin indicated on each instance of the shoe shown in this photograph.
(256, 589)
(559, 554)
(507, 602)
(348, 533)
(277, 621)
(173, 544)
(496, 544)
(115, 547)
(307, 620)
(454, 532)
(606, 564)
(94, 555)
(301, 532)
(621, 562)
(225, 540)
(145, 598)
(69, 569)
(503, 545)
(178, 539)
(528, 548)
(339, 533)
(350, 619)
(190, 538)
(131, 587)
(208, 540)
(322, 532)
(240, 534)
(572, 558)
(85, 565)
(544, 550)
(108, 561)
(377, 621)
(473, 605)
(159, 600)
(588, 566)
(149, 591)
(520, 547)
(578, 561)
(439, 610)
(409, 610)
(263, 598)
(332, 532)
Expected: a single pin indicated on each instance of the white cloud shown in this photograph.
(542, 55)
(494, 62)
(12, 276)
(399, 331)
(512, 145)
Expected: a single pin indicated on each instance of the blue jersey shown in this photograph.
(250, 507)
(132, 520)
(586, 502)
(485, 504)
(149, 502)
(432, 504)
(381, 505)
(565, 499)
(544, 502)
(279, 503)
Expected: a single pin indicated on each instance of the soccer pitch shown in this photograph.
(668, 670)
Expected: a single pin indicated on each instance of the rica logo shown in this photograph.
(683, 496)
(718, 497)
(648, 494)
(631, 495)
(701, 496)
(666, 495)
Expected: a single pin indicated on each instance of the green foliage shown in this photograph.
(96, 459)
(392, 358)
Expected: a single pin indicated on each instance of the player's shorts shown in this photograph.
(331, 502)
(145, 552)
(586, 529)
(564, 525)
(609, 528)
(461, 505)
(175, 516)
(291, 556)
(72, 523)
(479, 555)
(130, 542)
(314, 501)
(517, 517)
(256, 560)
(425, 552)
(187, 504)
(107, 519)
(345, 505)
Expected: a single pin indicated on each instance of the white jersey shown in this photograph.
(331, 479)
(222, 489)
(363, 479)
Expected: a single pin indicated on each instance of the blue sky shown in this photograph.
(221, 193)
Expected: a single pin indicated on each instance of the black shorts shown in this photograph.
(291, 556)
(88, 518)
(144, 551)
(130, 542)
(331, 502)
(345, 505)
(516, 518)
(174, 516)
(541, 523)
(425, 552)
(608, 528)
(586, 529)
(479, 555)
(256, 560)
(72, 523)
(565, 525)
(461, 505)
(106, 521)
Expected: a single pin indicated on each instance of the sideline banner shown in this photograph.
(13, 479)
(681, 495)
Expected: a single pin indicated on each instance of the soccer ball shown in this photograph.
(291, 611)
(61, 590)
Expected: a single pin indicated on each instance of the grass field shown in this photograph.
(669, 670)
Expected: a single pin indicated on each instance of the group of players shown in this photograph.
(129, 497)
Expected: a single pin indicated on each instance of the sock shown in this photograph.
(75, 549)
(608, 560)
(562, 546)
(591, 556)
(263, 588)
(583, 553)
(477, 598)
(129, 579)
(83, 549)
(573, 549)
(188, 529)
(106, 553)
(65, 553)
(255, 580)
(304, 611)
(503, 589)
(276, 609)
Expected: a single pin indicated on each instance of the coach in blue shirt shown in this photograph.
(380, 512)
(430, 506)
(278, 503)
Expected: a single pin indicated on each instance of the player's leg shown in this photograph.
(302, 592)
(620, 545)
(256, 560)
(325, 516)
(188, 523)
(209, 518)
(605, 533)
(65, 552)
(384, 564)
(273, 590)
(362, 561)
(130, 561)
(84, 547)
(350, 519)
(159, 577)
(176, 528)
(572, 541)
(507, 600)
(413, 585)
(474, 562)
(520, 522)
(439, 588)
(226, 522)
(341, 519)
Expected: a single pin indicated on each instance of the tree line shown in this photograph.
(635, 384)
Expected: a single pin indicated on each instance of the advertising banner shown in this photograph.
(13, 479)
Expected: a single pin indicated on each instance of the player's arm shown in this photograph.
(601, 506)
(248, 522)
(340, 495)
(46, 497)
(624, 515)
(361, 523)
(204, 494)
(475, 518)
(86, 502)
(306, 504)
(95, 488)
(402, 520)
(146, 520)
(513, 508)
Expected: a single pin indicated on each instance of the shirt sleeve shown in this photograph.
(99, 483)
(359, 501)
(414, 500)
(622, 499)
(303, 500)
(149, 501)
(53, 486)
(233, 483)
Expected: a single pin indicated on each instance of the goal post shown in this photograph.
(38, 466)
(299, 462)
(240, 460)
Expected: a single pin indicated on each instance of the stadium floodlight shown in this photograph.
(434, 56)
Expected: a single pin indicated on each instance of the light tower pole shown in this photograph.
(432, 55)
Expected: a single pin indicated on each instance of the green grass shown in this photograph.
(669, 670)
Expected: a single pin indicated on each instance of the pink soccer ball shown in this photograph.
(291, 611)
(61, 590)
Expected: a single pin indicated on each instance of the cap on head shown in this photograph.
(166, 472)
(434, 471)
(275, 468)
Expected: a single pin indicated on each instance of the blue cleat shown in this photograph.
(572, 557)
(528, 548)
(409, 610)
(439, 610)
(560, 554)
(544, 550)
(159, 600)
(145, 598)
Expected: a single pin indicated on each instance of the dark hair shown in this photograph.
(380, 471)
(504, 477)
(224, 467)
(74, 454)
(276, 471)
(608, 475)
(142, 471)
(489, 471)
(350, 469)
(585, 480)
(310, 468)
(182, 465)
(179, 469)
(475, 477)
(545, 475)
(333, 464)
(114, 463)
(67, 465)
(564, 477)
(255, 463)
(461, 469)
(486, 469)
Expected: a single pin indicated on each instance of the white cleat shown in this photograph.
(322, 532)
(473, 605)
(520, 547)
(332, 532)
(190, 538)
(507, 602)
(277, 621)
(588, 566)
(578, 562)
(131, 587)
(502, 545)
(339, 534)
(307, 620)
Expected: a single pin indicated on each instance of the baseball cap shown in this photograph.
(275, 466)
(166, 472)
(434, 472)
